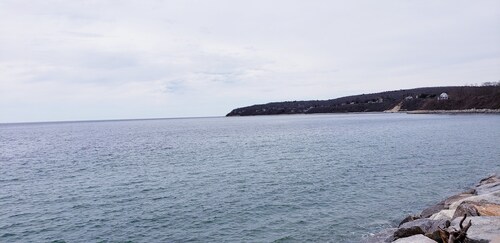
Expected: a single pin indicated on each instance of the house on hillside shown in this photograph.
(443, 96)
(378, 100)
(409, 97)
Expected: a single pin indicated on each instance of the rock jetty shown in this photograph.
(472, 216)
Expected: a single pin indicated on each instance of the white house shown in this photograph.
(443, 96)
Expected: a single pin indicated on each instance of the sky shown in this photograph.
(88, 60)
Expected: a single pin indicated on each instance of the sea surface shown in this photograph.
(290, 178)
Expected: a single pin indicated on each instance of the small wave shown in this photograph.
(8, 235)
(80, 206)
(284, 239)
(9, 180)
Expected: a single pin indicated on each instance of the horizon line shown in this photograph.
(110, 120)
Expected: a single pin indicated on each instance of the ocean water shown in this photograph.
(319, 178)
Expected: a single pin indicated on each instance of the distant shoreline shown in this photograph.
(426, 100)
(466, 111)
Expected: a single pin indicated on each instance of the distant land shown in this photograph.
(453, 99)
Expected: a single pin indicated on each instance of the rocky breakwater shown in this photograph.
(472, 216)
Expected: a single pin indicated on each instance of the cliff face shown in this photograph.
(459, 98)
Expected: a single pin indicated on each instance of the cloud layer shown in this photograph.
(71, 60)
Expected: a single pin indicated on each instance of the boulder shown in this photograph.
(492, 197)
(415, 239)
(420, 226)
(480, 208)
(409, 231)
(434, 236)
(483, 229)
(488, 209)
(409, 218)
(490, 179)
(468, 208)
(452, 199)
(470, 191)
(443, 214)
(488, 185)
(432, 210)
(488, 188)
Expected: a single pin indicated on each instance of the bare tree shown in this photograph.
(451, 235)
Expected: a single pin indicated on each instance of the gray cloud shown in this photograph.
(130, 59)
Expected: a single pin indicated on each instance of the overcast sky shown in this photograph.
(80, 60)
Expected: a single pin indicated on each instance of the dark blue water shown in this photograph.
(252, 179)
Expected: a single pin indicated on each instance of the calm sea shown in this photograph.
(283, 178)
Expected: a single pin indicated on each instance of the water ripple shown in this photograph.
(320, 178)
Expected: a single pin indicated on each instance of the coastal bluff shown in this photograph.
(472, 216)
(451, 99)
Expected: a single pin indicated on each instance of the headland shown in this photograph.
(435, 100)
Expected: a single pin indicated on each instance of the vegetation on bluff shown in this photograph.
(459, 98)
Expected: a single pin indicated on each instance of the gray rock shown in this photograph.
(426, 224)
(432, 210)
(488, 188)
(454, 198)
(406, 232)
(420, 226)
(415, 239)
(489, 184)
(466, 208)
(443, 214)
(470, 191)
(483, 229)
(492, 197)
(490, 179)
(409, 218)
(434, 236)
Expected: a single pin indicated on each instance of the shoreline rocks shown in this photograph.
(481, 204)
